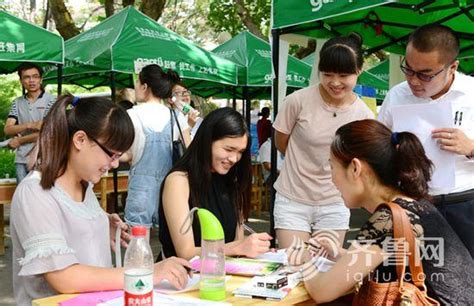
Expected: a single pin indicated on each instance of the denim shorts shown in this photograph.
(292, 215)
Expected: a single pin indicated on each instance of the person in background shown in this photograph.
(264, 126)
(370, 166)
(179, 97)
(264, 156)
(125, 104)
(151, 151)
(26, 116)
(307, 202)
(430, 67)
(61, 237)
(214, 173)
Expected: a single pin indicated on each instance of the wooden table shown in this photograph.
(297, 296)
(6, 194)
(104, 187)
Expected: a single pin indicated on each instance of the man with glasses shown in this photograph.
(26, 116)
(430, 67)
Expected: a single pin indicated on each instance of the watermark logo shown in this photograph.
(318, 4)
(310, 258)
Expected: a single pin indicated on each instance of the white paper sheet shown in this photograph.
(421, 119)
(165, 286)
(278, 256)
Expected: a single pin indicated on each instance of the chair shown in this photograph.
(258, 187)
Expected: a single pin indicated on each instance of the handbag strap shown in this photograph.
(177, 123)
(402, 229)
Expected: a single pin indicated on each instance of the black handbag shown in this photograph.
(178, 146)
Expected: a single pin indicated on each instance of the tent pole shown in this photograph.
(60, 79)
(247, 106)
(234, 98)
(115, 174)
(273, 174)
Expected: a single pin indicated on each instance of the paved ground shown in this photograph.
(261, 224)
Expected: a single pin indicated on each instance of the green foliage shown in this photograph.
(7, 163)
(223, 15)
(10, 90)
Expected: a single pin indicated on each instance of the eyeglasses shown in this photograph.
(184, 93)
(420, 75)
(112, 155)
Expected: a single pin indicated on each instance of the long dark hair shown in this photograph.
(97, 117)
(197, 160)
(342, 54)
(397, 159)
(160, 83)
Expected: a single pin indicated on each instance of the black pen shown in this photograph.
(460, 118)
(456, 118)
(248, 228)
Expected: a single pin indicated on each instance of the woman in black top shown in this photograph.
(370, 166)
(214, 173)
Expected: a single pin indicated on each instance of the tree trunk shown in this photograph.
(109, 8)
(47, 14)
(247, 20)
(152, 8)
(126, 3)
(62, 18)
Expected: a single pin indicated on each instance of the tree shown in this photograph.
(67, 27)
(64, 22)
(236, 16)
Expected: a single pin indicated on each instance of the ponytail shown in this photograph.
(413, 166)
(54, 139)
(160, 83)
(397, 159)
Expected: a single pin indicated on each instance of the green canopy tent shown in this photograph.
(383, 24)
(367, 77)
(109, 53)
(253, 55)
(21, 41)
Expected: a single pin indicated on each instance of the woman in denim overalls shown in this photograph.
(151, 150)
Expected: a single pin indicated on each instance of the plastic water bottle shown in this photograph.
(212, 282)
(138, 265)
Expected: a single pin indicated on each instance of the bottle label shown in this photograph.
(186, 108)
(138, 287)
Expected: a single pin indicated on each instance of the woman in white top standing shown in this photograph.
(151, 152)
(307, 202)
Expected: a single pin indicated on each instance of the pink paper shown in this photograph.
(92, 298)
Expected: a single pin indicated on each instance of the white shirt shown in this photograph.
(461, 97)
(155, 117)
(264, 156)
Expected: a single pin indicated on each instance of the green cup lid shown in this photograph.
(211, 228)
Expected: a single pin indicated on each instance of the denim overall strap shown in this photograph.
(146, 177)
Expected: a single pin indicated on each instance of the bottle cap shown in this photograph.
(139, 231)
(211, 228)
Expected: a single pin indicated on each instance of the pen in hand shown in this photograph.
(248, 228)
